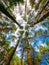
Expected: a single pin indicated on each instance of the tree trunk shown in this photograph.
(29, 57)
(22, 57)
(9, 56)
(3, 10)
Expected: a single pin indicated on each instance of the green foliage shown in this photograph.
(47, 43)
(43, 49)
(43, 1)
(14, 28)
(21, 32)
(47, 60)
(13, 37)
(4, 47)
(16, 60)
(27, 37)
(14, 2)
(32, 2)
(23, 39)
(0, 16)
(38, 56)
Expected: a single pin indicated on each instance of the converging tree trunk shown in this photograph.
(3, 10)
(9, 56)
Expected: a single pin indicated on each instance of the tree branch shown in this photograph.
(40, 19)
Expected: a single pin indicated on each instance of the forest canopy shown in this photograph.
(24, 32)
